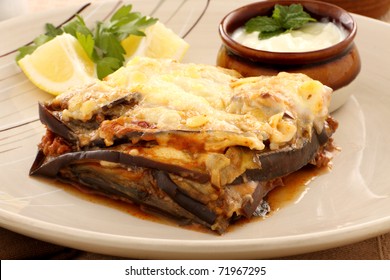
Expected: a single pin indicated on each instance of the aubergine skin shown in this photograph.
(51, 167)
(191, 205)
(279, 163)
(273, 164)
(55, 124)
(83, 167)
(194, 142)
(69, 131)
(143, 187)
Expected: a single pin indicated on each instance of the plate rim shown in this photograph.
(357, 231)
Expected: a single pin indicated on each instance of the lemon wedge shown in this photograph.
(159, 42)
(58, 65)
(131, 44)
(62, 63)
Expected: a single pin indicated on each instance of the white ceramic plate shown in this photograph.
(349, 204)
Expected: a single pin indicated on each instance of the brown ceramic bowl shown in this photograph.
(336, 66)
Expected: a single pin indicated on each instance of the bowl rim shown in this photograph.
(235, 19)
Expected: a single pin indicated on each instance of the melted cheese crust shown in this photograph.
(280, 109)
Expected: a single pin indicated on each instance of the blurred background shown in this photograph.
(379, 9)
(372, 8)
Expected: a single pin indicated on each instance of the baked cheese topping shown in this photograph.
(191, 97)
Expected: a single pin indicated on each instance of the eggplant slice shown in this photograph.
(216, 166)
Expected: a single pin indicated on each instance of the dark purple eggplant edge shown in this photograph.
(287, 160)
(51, 167)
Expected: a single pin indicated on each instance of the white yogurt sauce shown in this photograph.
(312, 36)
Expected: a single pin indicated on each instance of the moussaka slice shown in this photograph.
(196, 143)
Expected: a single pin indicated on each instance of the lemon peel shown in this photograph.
(58, 65)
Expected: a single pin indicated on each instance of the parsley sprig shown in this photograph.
(102, 43)
(283, 19)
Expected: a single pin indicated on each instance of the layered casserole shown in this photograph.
(196, 143)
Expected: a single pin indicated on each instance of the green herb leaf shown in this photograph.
(109, 46)
(103, 43)
(52, 31)
(295, 17)
(77, 25)
(279, 13)
(262, 24)
(122, 12)
(284, 18)
(136, 27)
(106, 66)
(42, 39)
(25, 50)
(124, 23)
(108, 37)
(87, 42)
